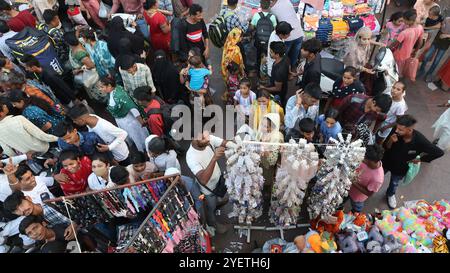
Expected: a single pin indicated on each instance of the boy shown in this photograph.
(54, 30)
(312, 70)
(113, 136)
(135, 75)
(370, 178)
(152, 107)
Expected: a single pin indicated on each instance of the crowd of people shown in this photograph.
(102, 119)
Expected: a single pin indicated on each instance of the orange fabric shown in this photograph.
(33, 91)
(232, 52)
(444, 73)
(319, 225)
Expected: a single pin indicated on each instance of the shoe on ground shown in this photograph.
(392, 202)
(221, 229)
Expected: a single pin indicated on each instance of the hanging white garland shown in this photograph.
(298, 166)
(335, 176)
(244, 181)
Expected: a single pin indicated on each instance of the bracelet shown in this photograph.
(17, 182)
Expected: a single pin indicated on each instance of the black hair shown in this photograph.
(119, 175)
(352, 70)
(30, 60)
(233, 67)
(278, 48)
(194, 9)
(406, 120)
(143, 93)
(314, 90)
(395, 16)
(13, 201)
(384, 101)
(17, 95)
(21, 170)
(435, 10)
(374, 153)
(410, 15)
(149, 3)
(402, 83)
(2, 59)
(283, 28)
(265, 4)
(108, 80)
(196, 50)
(138, 158)
(88, 34)
(4, 28)
(232, 2)
(14, 78)
(62, 128)
(101, 157)
(195, 61)
(265, 94)
(306, 125)
(77, 111)
(49, 15)
(71, 38)
(28, 221)
(4, 102)
(127, 61)
(68, 155)
(332, 113)
(5, 5)
(313, 45)
(246, 82)
(157, 145)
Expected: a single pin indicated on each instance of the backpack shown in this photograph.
(264, 28)
(165, 111)
(218, 31)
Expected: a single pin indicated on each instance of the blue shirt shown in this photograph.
(197, 78)
(88, 143)
(328, 132)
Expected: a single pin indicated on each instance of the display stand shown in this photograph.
(246, 229)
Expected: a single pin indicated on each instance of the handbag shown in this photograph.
(90, 77)
(220, 190)
(413, 170)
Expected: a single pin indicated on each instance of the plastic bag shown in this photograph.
(413, 170)
(103, 10)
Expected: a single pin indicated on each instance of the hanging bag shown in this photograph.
(413, 170)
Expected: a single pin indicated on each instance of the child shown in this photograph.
(198, 78)
(99, 178)
(393, 27)
(398, 108)
(349, 84)
(370, 178)
(329, 126)
(140, 169)
(73, 178)
(232, 83)
(244, 97)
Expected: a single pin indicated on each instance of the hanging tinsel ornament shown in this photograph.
(335, 176)
(244, 180)
(299, 165)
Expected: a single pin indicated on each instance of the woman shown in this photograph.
(83, 68)
(92, 7)
(99, 179)
(36, 110)
(98, 50)
(232, 53)
(126, 113)
(269, 131)
(73, 177)
(159, 26)
(166, 79)
(161, 153)
(116, 31)
(264, 105)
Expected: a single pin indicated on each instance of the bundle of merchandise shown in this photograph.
(335, 176)
(244, 180)
(299, 165)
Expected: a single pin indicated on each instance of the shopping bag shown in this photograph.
(410, 68)
(90, 78)
(413, 170)
(103, 10)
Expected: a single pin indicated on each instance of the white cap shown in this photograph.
(171, 171)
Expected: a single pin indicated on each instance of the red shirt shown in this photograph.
(158, 39)
(79, 180)
(22, 20)
(155, 121)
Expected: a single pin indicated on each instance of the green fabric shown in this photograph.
(124, 103)
(79, 56)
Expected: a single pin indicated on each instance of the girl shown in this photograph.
(161, 153)
(244, 97)
(264, 105)
(73, 177)
(198, 79)
(348, 85)
(98, 50)
(408, 42)
(140, 169)
(36, 110)
(125, 111)
(100, 177)
(393, 27)
(398, 108)
(232, 83)
(328, 125)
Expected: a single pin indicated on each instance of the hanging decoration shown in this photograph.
(244, 180)
(335, 176)
(298, 166)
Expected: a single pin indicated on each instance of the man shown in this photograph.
(404, 145)
(194, 33)
(304, 104)
(231, 18)
(358, 108)
(113, 136)
(303, 128)
(17, 21)
(280, 34)
(313, 69)
(202, 157)
(19, 135)
(61, 89)
(155, 122)
(54, 30)
(284, 11)
(6, 33)
(280, 72)
(135, 7)
(135, 75)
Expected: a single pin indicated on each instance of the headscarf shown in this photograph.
(166, 78)
(232, 52)
(358, 54)
(257, 112)
(116, 32)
